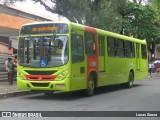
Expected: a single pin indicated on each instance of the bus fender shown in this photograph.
(94, 74)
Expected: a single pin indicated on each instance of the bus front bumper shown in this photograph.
(62, 85)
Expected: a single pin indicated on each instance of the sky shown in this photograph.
(31, 6)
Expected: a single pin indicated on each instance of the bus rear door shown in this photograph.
(138, 56)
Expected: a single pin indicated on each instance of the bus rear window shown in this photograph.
(45, 29)
(144, 51)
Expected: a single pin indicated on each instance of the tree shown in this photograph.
(102, 14)
(140, 21)
(156, 3)
(137, 1)
(97, 13)
(107, 16)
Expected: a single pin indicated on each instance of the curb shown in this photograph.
(3, 80)
(15, 94)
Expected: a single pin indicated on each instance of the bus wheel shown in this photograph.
(48, 93)
(130, 80)
(129, 84)
(91, 86)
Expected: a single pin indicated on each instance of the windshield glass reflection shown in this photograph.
(44, 51)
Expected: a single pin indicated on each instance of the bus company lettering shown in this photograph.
(131, 64)
(92, 63)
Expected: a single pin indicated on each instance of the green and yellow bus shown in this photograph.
(57, 56)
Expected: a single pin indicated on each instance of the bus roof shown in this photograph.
(44, 22)
(116, 35)
(111, 34)
(99, 31)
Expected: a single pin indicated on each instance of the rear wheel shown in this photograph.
(130, 80)
(129, 84)
(91, 86)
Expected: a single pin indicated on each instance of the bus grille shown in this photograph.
(40, 84)
(40, 72)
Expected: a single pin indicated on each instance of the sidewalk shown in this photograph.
(154, 75)
(7, 90)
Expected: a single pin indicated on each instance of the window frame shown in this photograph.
(90, 43)
(111, 48)
(77, 57)
(144, 51)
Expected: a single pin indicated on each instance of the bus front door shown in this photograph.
(78, 64)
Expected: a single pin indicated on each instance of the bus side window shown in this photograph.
(129, 49)
(132, 50)
(77, 48)
(90, 43)
(111, 45)
(120, 48)
(144, 52)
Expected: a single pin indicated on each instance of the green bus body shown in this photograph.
(99, 58)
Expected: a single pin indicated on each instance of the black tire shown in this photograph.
(48, 93)
(91, 86)
(129, 84)
(130, 80)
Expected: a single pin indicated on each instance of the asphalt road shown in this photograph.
(144, 96)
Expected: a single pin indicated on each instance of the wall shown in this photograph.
(4, 49)
(12, 21)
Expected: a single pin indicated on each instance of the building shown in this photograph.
(12, 18)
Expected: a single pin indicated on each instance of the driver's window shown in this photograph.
(77, 48)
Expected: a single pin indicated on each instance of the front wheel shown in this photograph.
(91, 86)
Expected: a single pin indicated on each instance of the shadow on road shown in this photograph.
(112, 88)
(68, 96)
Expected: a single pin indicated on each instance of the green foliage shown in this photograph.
(156, 3)
(71, 9)
(107, 16)
(140, 21)
(101, 14)
(120, 16)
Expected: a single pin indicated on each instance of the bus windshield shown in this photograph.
(43, 51)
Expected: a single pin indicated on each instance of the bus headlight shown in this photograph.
(21, 76)
(62, 75)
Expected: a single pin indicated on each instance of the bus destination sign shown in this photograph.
(41, 29)
(57, 28)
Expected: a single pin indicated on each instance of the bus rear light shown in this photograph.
(60, 85)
